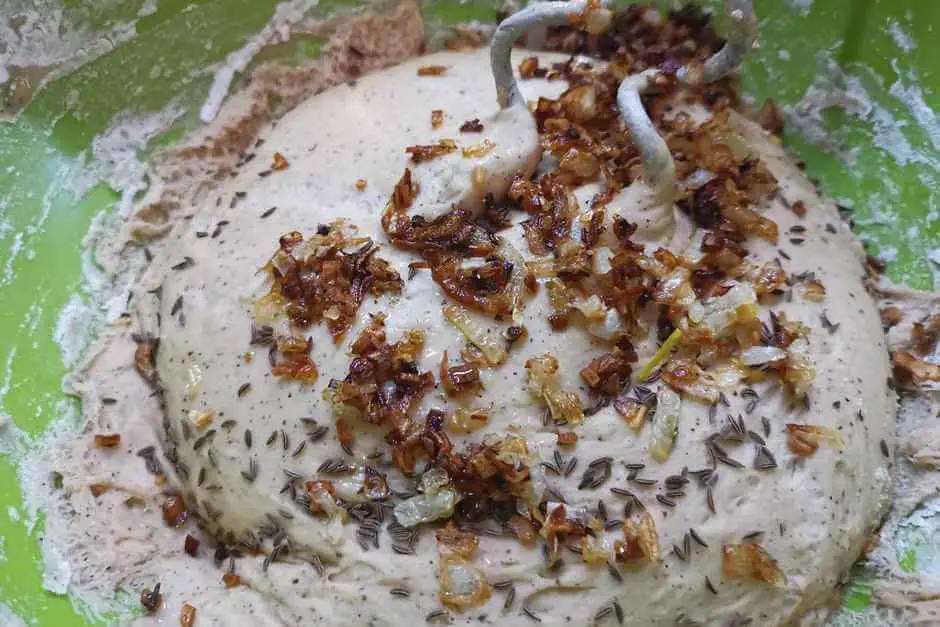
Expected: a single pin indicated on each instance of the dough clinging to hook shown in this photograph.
(484, 164)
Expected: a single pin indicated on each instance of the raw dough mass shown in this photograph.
(245, 441)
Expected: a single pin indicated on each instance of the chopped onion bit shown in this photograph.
(748, 560)
(641, 540)
(462, 585)
(665, 425)
(804, 440)
(436, 502)
(491, 348)
(187, 615)
(543, 383)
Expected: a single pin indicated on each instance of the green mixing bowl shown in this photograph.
(878, 153)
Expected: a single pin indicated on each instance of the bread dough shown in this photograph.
(815, 513)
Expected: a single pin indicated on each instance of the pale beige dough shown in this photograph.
(816, 513)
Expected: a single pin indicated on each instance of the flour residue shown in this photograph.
(888, 254)
(5, 225)
(45, 39)
(73, 329)
(34, 470)
(6, 381)
(10, 436)
(9, 618)
(894, 117)
(901, 39)
(803, 6)
(927, 552)
(277, 30)
(910, 94)
(69, 183)
(833, 88)
(6, 276)
(149, 7)
(117, 151)
(902, 571)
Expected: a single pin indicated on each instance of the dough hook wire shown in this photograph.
(658, 165)
(597, 18)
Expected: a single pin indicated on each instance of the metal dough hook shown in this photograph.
(597, 18)
(658, 165)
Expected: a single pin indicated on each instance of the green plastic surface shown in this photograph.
(42, 223)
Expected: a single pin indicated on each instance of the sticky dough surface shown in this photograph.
(816, 513)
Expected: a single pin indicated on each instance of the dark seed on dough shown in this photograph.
(603, 613)
(531, 614)
(614, 572)
(710, 586)
(665, 500)
(695, 536)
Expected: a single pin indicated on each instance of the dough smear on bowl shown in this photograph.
(421, 357)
